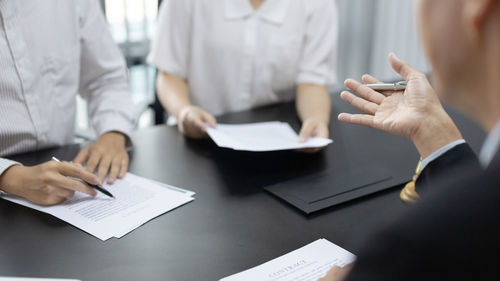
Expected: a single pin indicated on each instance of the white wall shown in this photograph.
(370, 30)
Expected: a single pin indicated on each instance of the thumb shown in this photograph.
(402, 67)
(209, 119)
(305, 133)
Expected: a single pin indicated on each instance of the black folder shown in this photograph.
(315, 192)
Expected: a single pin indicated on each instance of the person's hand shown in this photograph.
(193, 120)
(49, 183)
(313, 128)
(107, 155)
(415, 113)
(337, 273)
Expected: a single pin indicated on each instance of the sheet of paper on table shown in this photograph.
(137, 201)
(308, 263)
(266, 136)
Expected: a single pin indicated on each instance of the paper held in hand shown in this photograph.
(308, 263)
(137, 201)
(266, 136)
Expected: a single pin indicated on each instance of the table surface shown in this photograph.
(232, 225)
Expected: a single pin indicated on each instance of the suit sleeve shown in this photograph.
(452, 234)
(450, 163)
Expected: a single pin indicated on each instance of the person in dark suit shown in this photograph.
(453, 232)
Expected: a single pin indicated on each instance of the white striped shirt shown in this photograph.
(50, 51)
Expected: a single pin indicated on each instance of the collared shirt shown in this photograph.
(235, 57)
(50, 51)
(488, 150)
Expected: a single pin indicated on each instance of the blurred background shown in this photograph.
(369, 30)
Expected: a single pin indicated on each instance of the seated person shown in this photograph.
(216, 56)
(452, 233)
(50, 51)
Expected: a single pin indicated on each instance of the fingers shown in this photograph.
(67, 187)
(93, 161)
(209, 119)
(123, 167)
(359, 103)
(104, 167)
(82, 156)
(364, 92)
(119, 166)
(305, 133)
(358, 119)
(114, 170)
(402, 68)
(368, 79)
(76, 171)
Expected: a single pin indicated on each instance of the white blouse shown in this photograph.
(235, 57)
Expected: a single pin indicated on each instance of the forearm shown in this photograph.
(173, 93)
(313, 102)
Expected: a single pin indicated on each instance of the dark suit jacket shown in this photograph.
(453, 233)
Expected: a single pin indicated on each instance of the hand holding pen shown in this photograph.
(95, 186)
(49, 183)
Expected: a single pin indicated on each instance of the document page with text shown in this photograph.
(308, 263)
(137, 200)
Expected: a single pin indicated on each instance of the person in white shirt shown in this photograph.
(50, 51)
(220, 56)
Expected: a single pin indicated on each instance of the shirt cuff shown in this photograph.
(115, 122)
(4, 165)
(440, 152)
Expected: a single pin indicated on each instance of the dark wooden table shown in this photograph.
(232, 225)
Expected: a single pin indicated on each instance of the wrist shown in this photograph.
(117, 137)
(317, 119)
(11, 179)
(434, 134)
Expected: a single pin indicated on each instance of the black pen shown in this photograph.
(100, 188)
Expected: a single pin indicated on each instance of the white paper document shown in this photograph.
(266, 136)
(137, 201)
(308, 263)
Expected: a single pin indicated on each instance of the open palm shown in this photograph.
(396, 112)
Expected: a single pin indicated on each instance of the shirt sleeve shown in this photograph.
(319, 58)
(103, 74)
(170, 50)
(438, 153)
(4, 165)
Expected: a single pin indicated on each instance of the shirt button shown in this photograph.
(31, 101)
(9, 25)
(20, 63)
(43, 138)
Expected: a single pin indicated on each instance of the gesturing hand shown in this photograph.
(415, 113)
(107, 155)
(48, 183)
(192, 120)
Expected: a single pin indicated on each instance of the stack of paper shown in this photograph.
(266, 136)
(137, 201)
(308, 263)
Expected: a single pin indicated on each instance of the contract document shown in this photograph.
(308, 263)
(137, 201)
(266, 136)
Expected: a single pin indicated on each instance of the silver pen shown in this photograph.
(398, 86)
